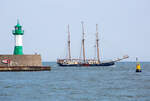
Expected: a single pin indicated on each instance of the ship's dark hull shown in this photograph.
(85, 64)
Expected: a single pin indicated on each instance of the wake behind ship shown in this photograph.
(86, 62)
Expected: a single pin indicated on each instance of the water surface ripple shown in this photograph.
(117, 83)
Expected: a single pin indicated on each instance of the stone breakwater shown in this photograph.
(22, 63)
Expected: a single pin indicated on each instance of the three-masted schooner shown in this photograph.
(86, 62)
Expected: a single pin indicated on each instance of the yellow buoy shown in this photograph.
(138, 67)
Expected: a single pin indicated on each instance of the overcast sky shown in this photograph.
(124, 27)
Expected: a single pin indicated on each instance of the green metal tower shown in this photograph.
(18, 33)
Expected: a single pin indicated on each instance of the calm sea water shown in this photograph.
(117, 83)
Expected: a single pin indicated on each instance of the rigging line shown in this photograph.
(80, 52)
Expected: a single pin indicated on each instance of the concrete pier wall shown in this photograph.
(24, 68)
(20, 60)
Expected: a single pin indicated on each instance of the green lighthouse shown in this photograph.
(18, 33)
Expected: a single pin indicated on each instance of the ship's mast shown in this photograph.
(69, 52)
(83, 41)
(97, 43)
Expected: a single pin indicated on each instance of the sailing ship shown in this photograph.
(83, 61)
